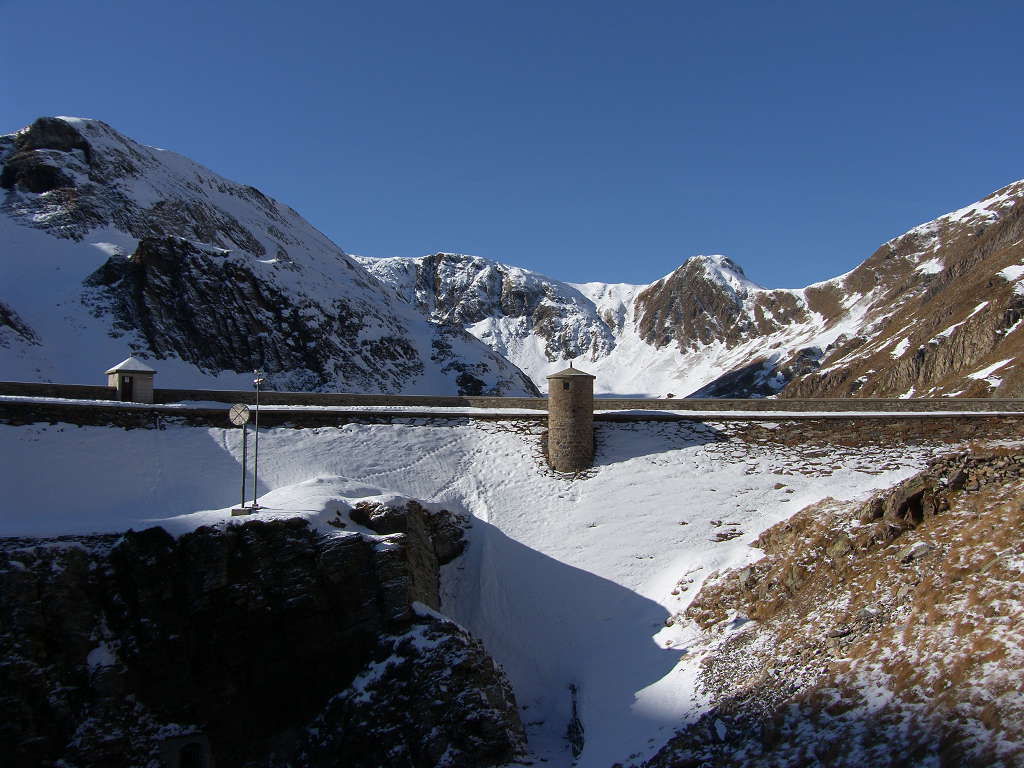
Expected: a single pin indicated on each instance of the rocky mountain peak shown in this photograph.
(146, 248)
(724, 271)
(702, 301)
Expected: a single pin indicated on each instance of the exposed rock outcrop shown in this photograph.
(503, 304)
(165, 290)
(707, 300)
(882, 633)
(113, 647)
(13, 328)
(392, 714)
(942, 309)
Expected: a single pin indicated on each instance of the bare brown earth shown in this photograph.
(884, 633)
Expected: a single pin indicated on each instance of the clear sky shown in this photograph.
(585, 139)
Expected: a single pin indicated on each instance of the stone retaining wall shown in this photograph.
(70, 391)
(839, 405)
(325, 399)
(136, 417)
(817, 428)
(877, 430)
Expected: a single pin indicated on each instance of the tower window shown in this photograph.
(565, 385)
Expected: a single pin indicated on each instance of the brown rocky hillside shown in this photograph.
(884, 633)
(941, 305)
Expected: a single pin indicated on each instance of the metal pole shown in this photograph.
(256, 454)
(244, 445)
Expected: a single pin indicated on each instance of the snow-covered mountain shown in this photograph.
(933, 312)
(677, 335)
(109, 246)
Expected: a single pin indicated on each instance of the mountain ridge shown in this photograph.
(113, 247)
(148, 252)
(706, 330)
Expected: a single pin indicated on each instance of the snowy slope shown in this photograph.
(110, 246)
(567, 580)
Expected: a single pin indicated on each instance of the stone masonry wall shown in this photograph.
(810, 428)
(70, 391)
(571, 426)
(876, 430)
(327, 399)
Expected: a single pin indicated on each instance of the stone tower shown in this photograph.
(570, 420)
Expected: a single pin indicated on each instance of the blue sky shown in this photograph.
(586, 140)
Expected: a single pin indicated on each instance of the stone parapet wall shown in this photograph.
(326, 399)
(876, 430)
(821, 429)
(149, 417)
(841, 405)
(69, 391)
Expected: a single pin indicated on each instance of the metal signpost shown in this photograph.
(256, 453)
(239, 416)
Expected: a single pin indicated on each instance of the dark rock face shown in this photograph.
(12, 324)
(417, 544)
(763, 377)
(33, 171)
(208, 308)
(111, 646)
(168, 288)
(391, 715)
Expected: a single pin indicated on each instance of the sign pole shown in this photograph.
(245, 443)
(239, 416)
(256, 453)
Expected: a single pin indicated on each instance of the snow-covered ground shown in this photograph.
(568, 580)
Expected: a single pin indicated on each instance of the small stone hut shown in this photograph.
(570, 420)
(133, 380)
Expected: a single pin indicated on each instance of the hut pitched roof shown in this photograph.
(131, 365)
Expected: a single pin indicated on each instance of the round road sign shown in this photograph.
(239, 414)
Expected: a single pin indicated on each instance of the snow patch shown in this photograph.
(930, 267)
(986, 373)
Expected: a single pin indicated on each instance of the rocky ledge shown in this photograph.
(884, 633)
(260, 644)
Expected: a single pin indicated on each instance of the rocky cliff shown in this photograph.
(518, 313)
(256, 644)
(885, 633)
(112, 246)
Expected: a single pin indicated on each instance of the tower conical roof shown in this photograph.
(570, 371)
